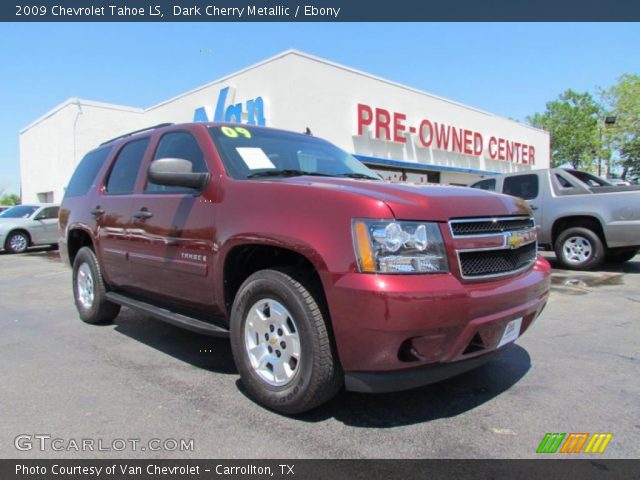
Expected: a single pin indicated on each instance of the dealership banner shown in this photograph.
(122, 469)
(318, 11)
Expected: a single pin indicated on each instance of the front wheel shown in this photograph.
(89, 290)
(281, 344)
(17, 242)
(579, 248)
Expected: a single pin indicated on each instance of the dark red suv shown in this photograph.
(321, 273)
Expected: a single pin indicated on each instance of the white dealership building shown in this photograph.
(401, 132)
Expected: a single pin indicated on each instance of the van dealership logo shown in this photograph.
(574, 442)
(251, 112)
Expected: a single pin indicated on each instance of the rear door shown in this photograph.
(526, 186)
(113, 212)
(172, 244)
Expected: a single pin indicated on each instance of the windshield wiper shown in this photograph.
(287, 172)
(357, 175)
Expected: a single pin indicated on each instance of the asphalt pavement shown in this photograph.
(137, 380)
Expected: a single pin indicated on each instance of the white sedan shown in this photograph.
(25, 226)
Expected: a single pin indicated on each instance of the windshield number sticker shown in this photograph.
(235, 132)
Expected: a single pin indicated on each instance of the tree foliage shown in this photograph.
(9, 199)
(623, 101)
(572, 121)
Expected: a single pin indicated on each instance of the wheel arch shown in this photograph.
(585, 221)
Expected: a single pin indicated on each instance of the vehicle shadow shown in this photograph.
(632, 267)
(440, 400)
(201, 351)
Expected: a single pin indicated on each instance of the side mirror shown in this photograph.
(176, 172)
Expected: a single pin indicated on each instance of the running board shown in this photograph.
(177, 319)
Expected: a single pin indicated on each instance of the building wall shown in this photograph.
(298, 91)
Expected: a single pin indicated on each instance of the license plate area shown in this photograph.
(511, 332)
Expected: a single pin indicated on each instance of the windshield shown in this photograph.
(256, 152)
(19, 211)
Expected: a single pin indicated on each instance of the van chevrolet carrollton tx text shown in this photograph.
(321, 274)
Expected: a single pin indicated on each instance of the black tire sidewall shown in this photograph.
(98, 312)
(597, 248)
(11, 236)
(289, 398)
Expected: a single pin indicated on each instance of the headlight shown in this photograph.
(387, 246)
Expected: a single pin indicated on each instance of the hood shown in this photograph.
(13, 222)
(410, 201)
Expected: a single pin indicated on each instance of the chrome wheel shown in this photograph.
(18, 243)
(84, 286)
(272, 342)
(577, 249)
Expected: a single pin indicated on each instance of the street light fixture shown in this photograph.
(609, 120)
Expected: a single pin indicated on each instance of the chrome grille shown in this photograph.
(496, 262)
(515, 250)
(488, 226)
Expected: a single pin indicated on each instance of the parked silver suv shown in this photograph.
(25, 226)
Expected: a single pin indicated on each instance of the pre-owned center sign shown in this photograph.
(429, 133)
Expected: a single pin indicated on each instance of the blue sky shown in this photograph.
(511, 69)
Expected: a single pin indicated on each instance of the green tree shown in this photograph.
(630, 155)
(623, 102)
(9, 199)
(572, 120)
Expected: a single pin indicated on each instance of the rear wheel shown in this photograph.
(89, 290)
(17, 242)
(281, 344)
(579, 248)
(620, 256)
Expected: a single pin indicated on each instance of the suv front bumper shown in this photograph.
(395, 332)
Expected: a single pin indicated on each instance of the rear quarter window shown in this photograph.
(86, 171)
(523, 186)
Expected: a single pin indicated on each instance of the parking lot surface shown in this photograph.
(575, 370)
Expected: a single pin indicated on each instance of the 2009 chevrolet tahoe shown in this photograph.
(321, 274)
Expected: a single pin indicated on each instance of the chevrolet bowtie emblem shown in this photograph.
(515, 240)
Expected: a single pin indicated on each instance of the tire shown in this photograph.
(290, 319)
(17, 242)
(620, 256)
(579, 248)
(89, 290)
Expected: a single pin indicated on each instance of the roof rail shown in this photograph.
(153, 127)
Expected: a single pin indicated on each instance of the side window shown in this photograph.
(49, 213)
(122, 178)
(523, 186)
(488, 184)
(86, 172)
(178, 145)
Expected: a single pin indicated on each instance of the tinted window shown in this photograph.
(589, 179)
(122, 178)
(179, 145)
(48, 213)
(86, 172)
(523, 186)
(488, 184)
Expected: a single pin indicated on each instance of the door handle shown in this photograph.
(96, 212)
(533, 207)
(142, 214)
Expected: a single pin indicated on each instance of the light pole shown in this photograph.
(608, 121)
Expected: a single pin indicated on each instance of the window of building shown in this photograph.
(124, 173)
(523, 186)
(45, 197)
(178, 145)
